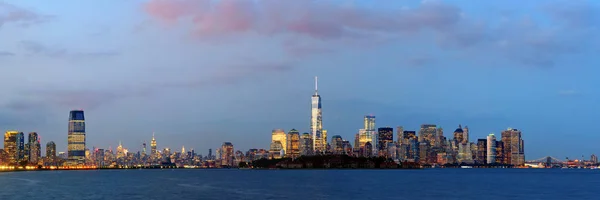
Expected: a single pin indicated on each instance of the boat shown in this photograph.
(466, 167)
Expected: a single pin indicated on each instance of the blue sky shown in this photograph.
(201, 72)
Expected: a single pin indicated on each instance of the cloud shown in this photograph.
(562, 30)
(13, 14)
(323, 19)
(6, 53)
(37, 48)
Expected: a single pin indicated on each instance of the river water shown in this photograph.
(486, 184)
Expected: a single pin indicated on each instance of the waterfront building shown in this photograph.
(51, 150)
(293, 144)
(227, 154)
(76, 138)
(428, 133)
(275, 150)
(278, 135)
(153, 152)
(34, 148)
(337, 145)
(370, 132)
(347, 148)
(514, 153)
(500, 152)
(459, 134)
(10, 147)
(306, 144)
(21, 147)
(491, 149)
(316, 121)
(385, 136)
(423, 152)
(482, 151)
(367, 150)
(400, 137)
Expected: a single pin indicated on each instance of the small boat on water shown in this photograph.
(466, 167)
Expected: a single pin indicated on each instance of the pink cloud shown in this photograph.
(317, 19)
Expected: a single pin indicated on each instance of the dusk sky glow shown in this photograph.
(202, 72)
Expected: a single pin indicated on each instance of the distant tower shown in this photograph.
(34, 148)
(316, 121)
(76, 139)
(153, 147)
(51, 151)
(10, 147)
(20, 147)
(144, 149)
(491, 149)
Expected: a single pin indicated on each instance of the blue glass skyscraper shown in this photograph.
(76, 138)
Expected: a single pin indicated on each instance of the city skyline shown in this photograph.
(149, 67)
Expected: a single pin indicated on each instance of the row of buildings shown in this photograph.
(426, 146)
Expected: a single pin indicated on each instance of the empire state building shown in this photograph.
(316, 122)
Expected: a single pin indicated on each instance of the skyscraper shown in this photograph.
(34, 148)
(21, 147)
(368, 134)
(482, 151)
(385, 135)
(153, 152)
(337, 146)
(278, 135)
(76, 138)
(293, 144)
(10, 146)
(306, 144)
(278, 143)
(50, 154)
(514, 153)
(316, 121)
(227, 154)
(491, 148)
(51, 151)
(428, 133)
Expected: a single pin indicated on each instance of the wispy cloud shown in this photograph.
(37, 48)
(520, 39)
(10, 13)
(6, 53)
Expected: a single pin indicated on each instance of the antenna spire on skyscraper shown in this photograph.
(316, 85)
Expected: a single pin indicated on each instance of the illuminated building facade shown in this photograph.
(491, 149)
(227, 156)
(10, 147)
(514, 151)
(21, 148)
(34, 148)
(278, 135)
(293, 144)
(385, 136)
(50, 153)
(316, 122)
(153, 152)
(428, 133)
(337, 145)
(306, 144)
(76, 138)
(481, 157)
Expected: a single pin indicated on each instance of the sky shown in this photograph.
(198, 73)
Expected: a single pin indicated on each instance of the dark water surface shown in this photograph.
(486, 184)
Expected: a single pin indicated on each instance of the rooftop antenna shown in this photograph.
(316, 85)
